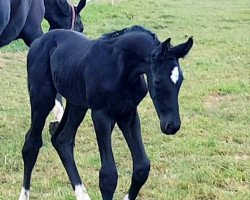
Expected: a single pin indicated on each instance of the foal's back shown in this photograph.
(84, 71)
(58, 57)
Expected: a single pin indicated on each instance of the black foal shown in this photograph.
(106, 76)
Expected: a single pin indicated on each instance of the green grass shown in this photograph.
(208, 159)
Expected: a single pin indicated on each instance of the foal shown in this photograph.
(105, 76)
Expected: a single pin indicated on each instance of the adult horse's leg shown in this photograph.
(130, 127)
(58, 109)
(32, 28)
(4, 14)
(58, 113)
(63, 139)
(42, 102)
(56, 128)
(108, 174)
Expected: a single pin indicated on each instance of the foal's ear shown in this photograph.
(161, 50)
(80, 6)
(181, 50)
(166, 46)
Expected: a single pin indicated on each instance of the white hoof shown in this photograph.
(25, 194)
(126, 197)
(81, 193)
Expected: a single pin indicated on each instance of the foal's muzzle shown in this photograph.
(170, 128)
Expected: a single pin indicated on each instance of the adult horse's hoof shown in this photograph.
(53, 126)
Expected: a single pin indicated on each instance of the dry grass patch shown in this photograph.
(240, 157)
(216, 100)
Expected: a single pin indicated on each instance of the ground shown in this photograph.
(208, 159)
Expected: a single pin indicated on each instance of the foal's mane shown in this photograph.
(135, 28)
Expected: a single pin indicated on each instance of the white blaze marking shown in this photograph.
(175, 75)
(126, 197)
(58, 111)
(81, 193)
(24, 194)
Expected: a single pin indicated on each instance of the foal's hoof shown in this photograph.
(53, 126)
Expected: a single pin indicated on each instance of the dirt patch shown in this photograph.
(242, 157)
(2, 63)
(11, 58)
(215, 100)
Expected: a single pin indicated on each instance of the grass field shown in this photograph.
(208, 159)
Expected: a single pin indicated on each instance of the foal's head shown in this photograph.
(61, 15)
(166, 81)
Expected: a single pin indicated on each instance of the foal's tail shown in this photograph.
(38, 61)
(40, 80)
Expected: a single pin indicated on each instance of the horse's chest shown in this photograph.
(133, 95)
(125, 99)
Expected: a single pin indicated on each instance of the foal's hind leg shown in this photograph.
(108, 174)
(63, 140)
(130, 127)
(42, 101)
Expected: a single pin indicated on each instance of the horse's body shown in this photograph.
(106, 76)
(22, 18)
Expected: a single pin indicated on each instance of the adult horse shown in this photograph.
(22, 18)
(106, 76)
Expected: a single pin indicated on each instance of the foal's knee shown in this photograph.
(141, 172)
(108, 180)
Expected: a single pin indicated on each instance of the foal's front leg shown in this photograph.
(108, 174)
(130, 127)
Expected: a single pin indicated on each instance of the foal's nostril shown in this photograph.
(169, 127)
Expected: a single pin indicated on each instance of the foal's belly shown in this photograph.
(72, 95)
(69, 83)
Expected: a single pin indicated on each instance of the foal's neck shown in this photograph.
(138, 49)
(139, 45)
